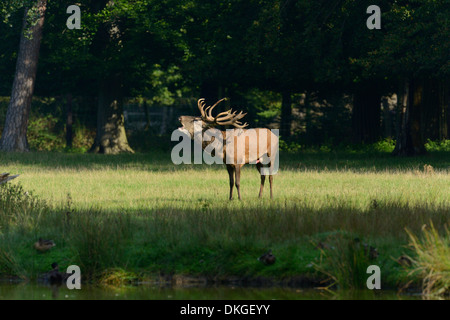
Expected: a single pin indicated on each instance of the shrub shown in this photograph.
(438, 145)
(13, 198)
(42, 134)
(386, 145)
(291, 147)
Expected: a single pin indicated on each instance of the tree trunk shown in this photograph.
(69, 121)
(416, 127)
(446, 98)
(402, 116)
(164, 120)
(286, 114)
(14, 136)
(410, 140)
(111, 137)
(431, 111)
(147, 116)
(366, 115)
(388, 119)
(444, 106)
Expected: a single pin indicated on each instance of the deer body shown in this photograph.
(236, 147)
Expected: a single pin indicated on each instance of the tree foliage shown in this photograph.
(164, 50)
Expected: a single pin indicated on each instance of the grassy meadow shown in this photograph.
(137, 216)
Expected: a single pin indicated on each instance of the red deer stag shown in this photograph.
(257, 146)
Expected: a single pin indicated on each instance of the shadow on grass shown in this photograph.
(161, 161)
(202, 241)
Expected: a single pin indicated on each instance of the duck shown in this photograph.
(55, 277)
(323, 246)
(370, 251)
(268, 258)
(44, 245)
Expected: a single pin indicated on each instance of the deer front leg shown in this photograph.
(238, 180)
(230, 170)
(263, 179)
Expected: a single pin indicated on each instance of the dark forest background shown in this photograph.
(310, 68)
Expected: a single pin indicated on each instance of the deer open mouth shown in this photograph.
(182, 125)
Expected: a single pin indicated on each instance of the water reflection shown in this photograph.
(31, 291)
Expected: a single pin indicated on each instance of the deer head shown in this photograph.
(229, 117)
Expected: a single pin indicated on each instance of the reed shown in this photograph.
(432, 260)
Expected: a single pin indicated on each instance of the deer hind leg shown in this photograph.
(271, 169)
(230, 170)
(263, 179)
(270, 181)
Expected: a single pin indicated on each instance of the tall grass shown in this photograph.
(433, 260)
(345, 262)
(18, 212)
(98, 240)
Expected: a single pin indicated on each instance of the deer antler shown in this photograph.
(225, 118)
(232, 118)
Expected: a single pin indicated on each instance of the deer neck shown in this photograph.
(218, 144)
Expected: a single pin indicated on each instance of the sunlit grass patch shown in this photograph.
(117, 277)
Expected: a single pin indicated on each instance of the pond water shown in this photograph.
(32, 291)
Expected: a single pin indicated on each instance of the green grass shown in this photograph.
(149, 181)
(141, 214)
